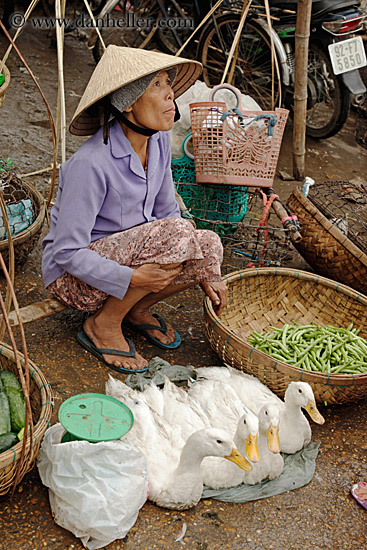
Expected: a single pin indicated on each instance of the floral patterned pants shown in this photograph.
(166, 241)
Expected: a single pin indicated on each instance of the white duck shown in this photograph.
(217, 407)
(174, 475)
(220, 474)
(219, 401)
(177, 408)
(271, 462)
(295, 430)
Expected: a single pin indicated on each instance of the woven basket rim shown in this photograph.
(5, 85)
(9, 457)
(342, 380)
(34, 227)
(338, 235)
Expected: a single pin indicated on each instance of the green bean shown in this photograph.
(316, 348)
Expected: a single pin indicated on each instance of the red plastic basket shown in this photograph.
(235, 151)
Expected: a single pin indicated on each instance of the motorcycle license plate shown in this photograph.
(347, 55)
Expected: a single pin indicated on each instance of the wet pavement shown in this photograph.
(320, 515)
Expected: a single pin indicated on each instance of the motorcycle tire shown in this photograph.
(328, 100)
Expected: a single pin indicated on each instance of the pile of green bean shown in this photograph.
(312, 347)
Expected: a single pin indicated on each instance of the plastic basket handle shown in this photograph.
(184, 146)
(229, 87)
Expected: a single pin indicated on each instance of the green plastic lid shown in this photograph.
(2, 79)
(95, 417)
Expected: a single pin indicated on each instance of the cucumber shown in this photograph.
(13, 391)
(17, 408)
(5, 425)
(9, 380)
(7, 440)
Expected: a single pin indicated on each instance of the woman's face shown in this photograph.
(155, 108)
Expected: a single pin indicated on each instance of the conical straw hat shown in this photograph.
(120, 66)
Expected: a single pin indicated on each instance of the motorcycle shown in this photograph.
(335, 56)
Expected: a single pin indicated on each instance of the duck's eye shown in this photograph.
(219, 441)
(300, 391)
(266, 412)
(244, 421)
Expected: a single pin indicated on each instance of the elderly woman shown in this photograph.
(117, 243)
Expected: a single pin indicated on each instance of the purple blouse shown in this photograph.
(103, 189)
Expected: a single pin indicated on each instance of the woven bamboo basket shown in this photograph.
(265, 297)
(5, 85)
(25, 241)
(326, 248)
(41, 405)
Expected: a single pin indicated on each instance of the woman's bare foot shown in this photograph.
(112, 338)
(140, 316)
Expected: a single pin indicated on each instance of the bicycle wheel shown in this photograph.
(131, 23)
(328, 98)
(182, 20)
(253, 71)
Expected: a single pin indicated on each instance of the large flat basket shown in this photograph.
(265, 297)
(235, 151)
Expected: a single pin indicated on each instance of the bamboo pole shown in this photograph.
(61, 108)
(95, 26)
(205, 19)
(300, 87)
(274, 61)
(235, 55)
(234, 48)
(52, 124)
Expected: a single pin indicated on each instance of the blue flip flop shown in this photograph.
(87, 343)
(142, 329)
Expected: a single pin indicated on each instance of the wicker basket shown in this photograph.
(5, 85)
(260, 298)
(41, 404)
(25, 241)
(326, 248)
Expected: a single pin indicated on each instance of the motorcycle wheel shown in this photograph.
(253, 71)
(129, 36)
(328, 100)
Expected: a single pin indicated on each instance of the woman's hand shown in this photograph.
(218, 293)
(154, 277)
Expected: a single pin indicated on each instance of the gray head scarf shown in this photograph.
(122, 98)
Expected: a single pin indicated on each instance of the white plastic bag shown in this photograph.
(96, 489)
